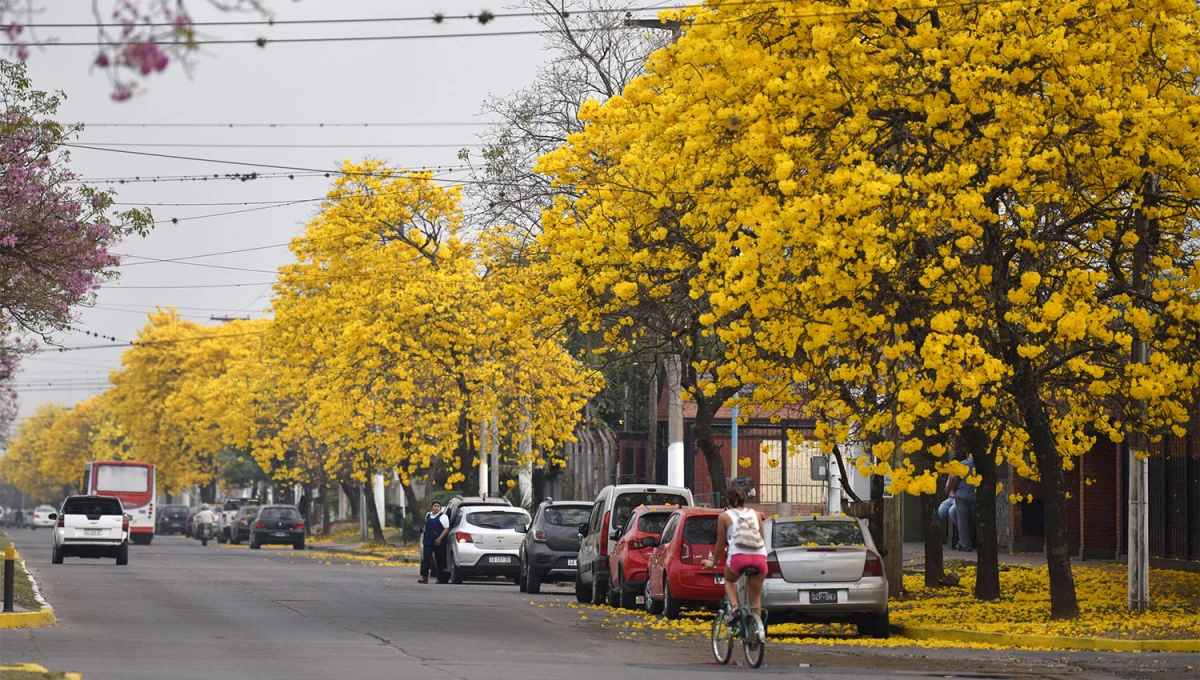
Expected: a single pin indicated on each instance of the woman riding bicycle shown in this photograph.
(740, 545)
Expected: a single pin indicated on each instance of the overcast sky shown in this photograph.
(399, 81)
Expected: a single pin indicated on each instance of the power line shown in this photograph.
(288, 125)
(246, 177)
(371, 145)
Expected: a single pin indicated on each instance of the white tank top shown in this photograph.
(730, 548)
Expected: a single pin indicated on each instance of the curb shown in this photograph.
(1047, 641)
(35, 668)
(39, 619)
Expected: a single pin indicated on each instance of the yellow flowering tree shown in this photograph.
(21, 465)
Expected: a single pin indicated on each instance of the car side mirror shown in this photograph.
(883, 552)
(583, 530)
(522, 529)
(616, 535)
(53, 515)
(649, 542)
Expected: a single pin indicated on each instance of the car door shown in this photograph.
(656, 571)
(589, 548)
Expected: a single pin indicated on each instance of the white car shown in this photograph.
(40, 517)
(825, 569)
(485, 541)
(91, 526)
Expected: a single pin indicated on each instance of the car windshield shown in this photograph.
(701, 530)
(496, 520)
(567, 517)
(44, 508)
(92, 506)
(279, 513)
(793, 534)
(653, 522)
(627, 502)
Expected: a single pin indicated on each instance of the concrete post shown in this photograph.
(484, 444)
(380, 499)
(675, 453)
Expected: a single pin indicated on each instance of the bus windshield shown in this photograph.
(127, 478)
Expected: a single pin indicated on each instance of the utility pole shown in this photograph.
(675, 27)
(675, 457)
(229, 318)
(484, 443)
(1138, 577)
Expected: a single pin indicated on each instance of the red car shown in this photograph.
(675, 576)
(630, 555)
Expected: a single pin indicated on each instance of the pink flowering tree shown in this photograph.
(54, 231)
(134, 38)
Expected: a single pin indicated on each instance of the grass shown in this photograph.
(349, 534)
(22, 584)
(32, 675)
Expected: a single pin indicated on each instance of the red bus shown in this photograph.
(134, 484)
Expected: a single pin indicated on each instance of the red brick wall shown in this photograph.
(1035, 542)
(1100, 502)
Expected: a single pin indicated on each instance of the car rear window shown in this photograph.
(496, 520)
(92, 506)
(700, 530)
(567, 517)
(653, 522)
(279, 513)
(793, 534)
(627, 502)
(175, 513)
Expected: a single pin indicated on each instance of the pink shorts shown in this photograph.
(740, 561)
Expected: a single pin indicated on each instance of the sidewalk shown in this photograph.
(914, 556)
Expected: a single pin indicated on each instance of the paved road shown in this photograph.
(181, 611)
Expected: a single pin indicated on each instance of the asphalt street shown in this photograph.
(182, 611)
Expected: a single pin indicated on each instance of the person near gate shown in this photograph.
(437, 525)
(964, 508)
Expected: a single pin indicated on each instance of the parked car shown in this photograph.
(631, 553)
(225, 515)
(550, 549)
(486, 541)
(277, 524)
(614, 505)
(189, 525)
(171, 519)
(91, 526)
(676, 576)
(239, 528)
(825, 569)
(452, 510)
(40, 517)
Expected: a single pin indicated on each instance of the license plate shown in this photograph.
(719, 580)
(280, 534)
(570, 561)
(822, 596)
(498, 559)
(92, 532)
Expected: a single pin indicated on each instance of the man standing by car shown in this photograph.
(437, 525)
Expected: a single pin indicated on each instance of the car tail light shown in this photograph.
(604, 535)
(299, 526)
(463, 537)
(873, 565)
(539, 535)
(260, 524)
(125, 523)
(61, 521)
(685, 554)
(773, 570)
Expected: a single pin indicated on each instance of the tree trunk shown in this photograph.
(1063, 604)
(931, 534)
(326, 496)
(410, 499)
(875, 525)
(987, 570)
(708, 447)
(351, 491)
(373, 515)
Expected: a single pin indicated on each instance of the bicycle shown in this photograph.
(747, 627)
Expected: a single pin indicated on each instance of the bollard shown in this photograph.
(10, 561)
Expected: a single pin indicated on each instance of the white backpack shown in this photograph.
(745, 532)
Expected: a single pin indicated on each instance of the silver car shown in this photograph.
(825, 570)
(486, 541)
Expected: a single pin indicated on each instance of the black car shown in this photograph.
(277, 524)
(550, 550)
(172, 519)
(239, 528)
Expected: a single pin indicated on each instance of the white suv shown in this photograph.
(485, 541)
(91, 526)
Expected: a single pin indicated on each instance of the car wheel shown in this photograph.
(57, 556)
(599, 590)
(204, 542)
(875, 625)
(533, 582)
(672, 608)
(123, 555)
(298, 545)
(233, 540)
(582, 592)
(521, 580)
(254, 544)
(456, 575)
(653, 607)
(626, 599)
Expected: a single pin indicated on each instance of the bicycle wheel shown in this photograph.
(722, 639)
(754, 645)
